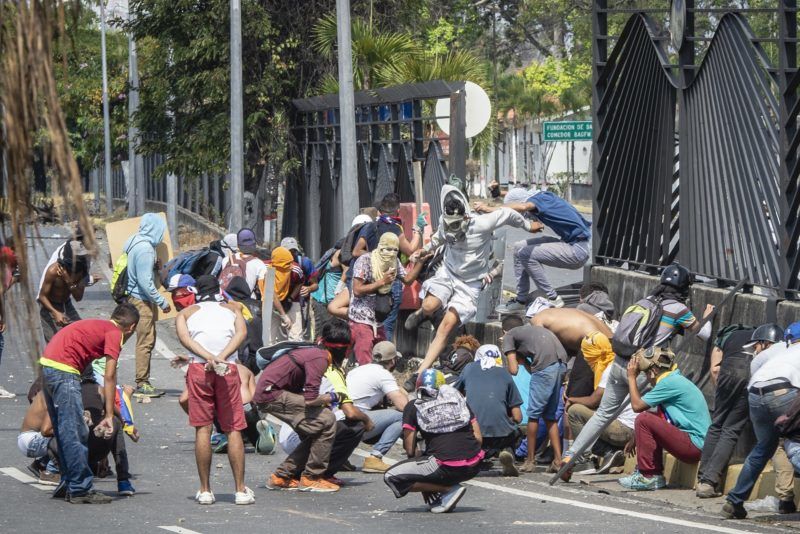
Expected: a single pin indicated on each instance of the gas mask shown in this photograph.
(455, 227)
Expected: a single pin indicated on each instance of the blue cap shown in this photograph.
(792, 333)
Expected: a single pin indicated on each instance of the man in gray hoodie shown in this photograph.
(143, 294)
(452, 293)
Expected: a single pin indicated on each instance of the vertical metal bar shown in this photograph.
(348, 183)
(599, 58)
(136, 191)
(172, 209)
(237, 120)
(106, 120)
(458, 141)
(787, 59)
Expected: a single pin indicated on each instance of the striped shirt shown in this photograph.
(674, 319)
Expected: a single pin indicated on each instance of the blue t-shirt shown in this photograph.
(491, 394)
(684, 404)
(373, 231)
(561, 217)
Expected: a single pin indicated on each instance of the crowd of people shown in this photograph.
(563, 389)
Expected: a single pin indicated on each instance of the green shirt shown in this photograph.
(684, 404)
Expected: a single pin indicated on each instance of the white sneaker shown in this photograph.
(247, 496)
(557, 302)
(5, 394)
(205, 497)
(450, 499)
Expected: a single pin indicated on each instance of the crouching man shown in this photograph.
(453, 445)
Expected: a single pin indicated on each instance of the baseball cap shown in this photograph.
(180, 280)
(290, 243)
(246, 240)
(362, 218)
(385, 351)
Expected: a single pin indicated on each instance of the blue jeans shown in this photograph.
(391, 319)
(388, 425)
(62, 393)
(545, 392)
(764, 410)
(793, 453)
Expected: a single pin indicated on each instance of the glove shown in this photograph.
(421, 222)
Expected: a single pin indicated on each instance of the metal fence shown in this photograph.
(696, 161)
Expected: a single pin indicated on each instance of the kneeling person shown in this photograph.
(453, 445)
(212, 331)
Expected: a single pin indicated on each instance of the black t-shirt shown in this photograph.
(732, 346)
(491, 393)
(456, 445)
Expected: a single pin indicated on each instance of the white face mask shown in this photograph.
(455, 227)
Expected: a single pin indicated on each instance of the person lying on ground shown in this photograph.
(493, 398)
(212, 331)
(679, 425)
(34, 441)
(452, 452)
(371, 386)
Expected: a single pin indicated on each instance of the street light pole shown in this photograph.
(106, 121)
(136, 196)
(348, 179)
(237, 120)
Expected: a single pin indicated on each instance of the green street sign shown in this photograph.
(567, 131)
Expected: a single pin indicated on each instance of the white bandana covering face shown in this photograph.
(487, 355)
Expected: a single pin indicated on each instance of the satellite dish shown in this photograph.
(478, 110)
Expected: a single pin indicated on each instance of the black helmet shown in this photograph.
(676, 276)
(767, 332)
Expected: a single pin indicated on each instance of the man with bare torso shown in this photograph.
(63, 280)
(570, 326)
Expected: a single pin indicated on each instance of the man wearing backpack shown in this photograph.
(142, 293)
(243, 262)
(289, 389)
(666, 303)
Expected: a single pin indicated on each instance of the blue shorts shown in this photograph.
(545, 390)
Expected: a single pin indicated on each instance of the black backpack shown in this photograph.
(638, 327)
(349, 243)
(267, 355)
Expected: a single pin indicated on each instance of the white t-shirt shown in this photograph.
(628, 416)
(368, 384)
(255, 270)
(776, 364)
(212, 326)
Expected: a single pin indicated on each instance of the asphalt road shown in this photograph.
(166, 479)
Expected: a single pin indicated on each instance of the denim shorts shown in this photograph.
(545, 390)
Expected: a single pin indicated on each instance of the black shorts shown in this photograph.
(402, 475)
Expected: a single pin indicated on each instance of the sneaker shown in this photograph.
(124, 487)
(373, 464)
(705, 490)
(610, 461)
(432, 500)
(335, 480)
(266, 438)
(93, 497)
(205, 498)
(787, 507)
(347, 466)
(49, 479)
(215, 437)
(279, 483)
(146, 390)
(222, 445)
(5, 394)
(34, 468)
(414, 320)
(316, 485)
(529, 466)
(247, 496)
(507, 461)
(639, 482)
(450, 500)
(511, 307)
(566, 476)
(733, 511)
(557, 302)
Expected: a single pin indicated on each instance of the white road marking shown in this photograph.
(601, 508)
(178, 530)
(18, 475)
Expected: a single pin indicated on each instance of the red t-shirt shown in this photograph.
(79, 343)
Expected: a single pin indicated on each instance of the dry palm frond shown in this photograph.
(31, 115)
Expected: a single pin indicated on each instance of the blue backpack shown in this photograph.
(186, 263)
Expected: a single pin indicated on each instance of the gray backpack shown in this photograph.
(638, 327)
(445, 413)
